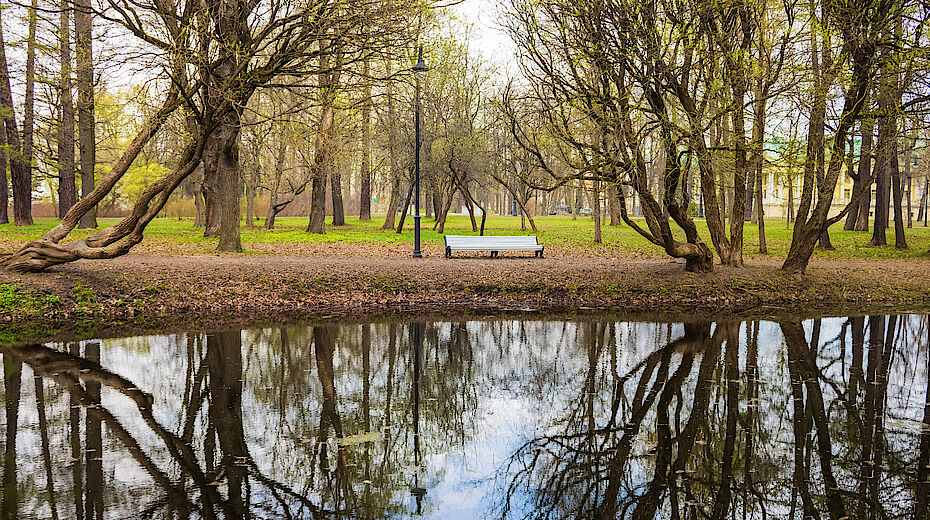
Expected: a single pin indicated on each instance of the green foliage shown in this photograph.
(85, 299)
(15, 301)
(138, 178)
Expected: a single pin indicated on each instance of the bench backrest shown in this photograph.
(500, 241)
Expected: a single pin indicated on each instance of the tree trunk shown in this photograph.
(322, 158)
(335, 188)
(577, 207)
(403, 214)
(364, 202)
(760, 211)
(816, 155)
(444, 214)
(391, 215)
(758, 144)
(29, 109)
(317, 203)
(900, 242)
(922, 210)
(200, 218)
(850, 224)
(221, 167)
(597, 212)
(470, 207)
(523, 211)
(19, 170)
(740, 165)
(67, 191)
(613, 205)
(812, 222)
(910, 187)
(882, 174)
(864, 169)
(117, 240)
(250, 198)
(87, 138)
(4, 185)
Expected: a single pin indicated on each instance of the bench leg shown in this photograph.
(493, 254)
(448, 252)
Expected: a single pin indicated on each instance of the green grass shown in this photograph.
(21, 302)
(555, 232)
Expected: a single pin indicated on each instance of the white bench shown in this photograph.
(492, 244)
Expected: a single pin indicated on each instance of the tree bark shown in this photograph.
(850, 224)
(4, 183)
(909, 186)
(597, 212)
(391, 215)
(19, 171)
(250, 198)
(29, 108)
(322, 158)
(613, 205)
(200, 218)
(816, 157)
(114, 241)
(335, 188)
(900, 242)
(864, 169)
(221, 166)
(882, 170)
(87, 137)
(67, 190)
(364, 202)
(403, 214)
(922, 210)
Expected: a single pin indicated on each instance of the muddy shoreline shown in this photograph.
(139, 295)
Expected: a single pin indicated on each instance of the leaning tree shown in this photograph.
(211, 56)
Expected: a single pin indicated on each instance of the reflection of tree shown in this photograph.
(584, 472)
(93, 445)
(922, 508)
(633, 420)
(75, 374)
(337, 483)
(802, 364)
(46, 450)
(12, 382)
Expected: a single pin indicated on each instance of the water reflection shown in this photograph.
(498, 419)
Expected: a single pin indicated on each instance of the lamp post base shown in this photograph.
(416, 236)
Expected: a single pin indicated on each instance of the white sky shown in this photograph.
(487, 36)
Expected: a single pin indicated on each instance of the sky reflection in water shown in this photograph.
(482, 419)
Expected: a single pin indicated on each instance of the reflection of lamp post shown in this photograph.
(415, 490)
(419, 70)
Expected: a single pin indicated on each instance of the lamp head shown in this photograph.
(420, 68)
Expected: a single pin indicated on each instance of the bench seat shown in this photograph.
(493, 244)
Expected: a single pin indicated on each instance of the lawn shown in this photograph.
(556, 232)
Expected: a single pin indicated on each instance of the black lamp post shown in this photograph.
(419, 70)
(416, 490)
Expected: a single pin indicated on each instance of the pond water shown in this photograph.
(476, 419)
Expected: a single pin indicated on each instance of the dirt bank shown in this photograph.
(139, 292)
